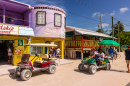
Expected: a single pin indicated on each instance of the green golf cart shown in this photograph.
(92, 65)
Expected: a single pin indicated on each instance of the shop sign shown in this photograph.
(9, 29)
(20, 42)
(17, 51)
(51, 31)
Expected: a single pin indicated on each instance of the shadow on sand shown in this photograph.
(85, 71)
(121, 71)
(128, 84)
(38, 73)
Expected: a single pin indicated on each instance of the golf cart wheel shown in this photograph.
(92, 69)
(108, 66)
(26, 74)
(52, 69)
(16, 74)
(81, 67)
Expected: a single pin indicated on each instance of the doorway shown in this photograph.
(4, 45)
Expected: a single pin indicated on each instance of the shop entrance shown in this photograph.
(4, 45)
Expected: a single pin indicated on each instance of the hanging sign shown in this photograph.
(17, 51)
(9, 29)
(20, 42)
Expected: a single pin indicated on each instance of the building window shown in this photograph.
(7, 19)
(65, 21)
(57, 20)
(36, 50)
(41, 18)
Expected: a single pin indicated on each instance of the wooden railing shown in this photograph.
(78, 43)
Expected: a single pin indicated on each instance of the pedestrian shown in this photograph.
(110, 52)
(58, 51)
(127, 57)
(9, 55)
(54, 52)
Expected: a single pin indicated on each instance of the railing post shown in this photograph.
(4, 14)
(82, 49)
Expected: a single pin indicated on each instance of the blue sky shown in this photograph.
(120, 9)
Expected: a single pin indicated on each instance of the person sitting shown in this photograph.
(92, 53)
(101, 57)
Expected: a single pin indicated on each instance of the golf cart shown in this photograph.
(93, 64)
(25, 68)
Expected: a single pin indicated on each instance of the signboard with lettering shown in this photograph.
(20, 42)
(9, 29)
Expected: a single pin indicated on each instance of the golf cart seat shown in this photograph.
(25, 58)
(43, 56)
(38, 61)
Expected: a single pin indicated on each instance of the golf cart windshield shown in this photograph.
(41, 44)
(25, 57)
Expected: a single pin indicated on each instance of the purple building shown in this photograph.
(30, 24)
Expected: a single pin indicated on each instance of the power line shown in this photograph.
(98, 10)
(91, 7)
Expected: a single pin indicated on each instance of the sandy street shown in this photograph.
(69, 75)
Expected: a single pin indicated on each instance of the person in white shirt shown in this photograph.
(58, 51)
(101, 57)
(9, 55)
(92, 53)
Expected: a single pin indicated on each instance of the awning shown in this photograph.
(80, 31)
(41, 44)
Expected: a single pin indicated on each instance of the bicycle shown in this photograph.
(116, 55)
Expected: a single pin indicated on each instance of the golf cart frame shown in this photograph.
(25, 68)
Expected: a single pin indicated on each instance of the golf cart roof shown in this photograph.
(41, 44)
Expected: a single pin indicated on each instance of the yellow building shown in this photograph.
(16, 39)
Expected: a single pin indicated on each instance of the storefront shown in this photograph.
(79, 42)
(13, 36)
(30, 24)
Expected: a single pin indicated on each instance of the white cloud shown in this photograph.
(95, 14)
(123, 10)
(105, 25)
(113, 13)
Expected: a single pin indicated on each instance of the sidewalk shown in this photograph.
(6, 69)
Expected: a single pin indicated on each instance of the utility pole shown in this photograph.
(118, 35)
(112, 29)
(101, 22)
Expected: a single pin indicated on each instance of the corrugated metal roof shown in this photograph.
(86, 32)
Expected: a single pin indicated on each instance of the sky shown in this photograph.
(87, 14)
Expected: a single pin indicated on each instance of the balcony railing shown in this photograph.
(78, 43)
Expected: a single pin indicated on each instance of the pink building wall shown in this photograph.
(48, 30)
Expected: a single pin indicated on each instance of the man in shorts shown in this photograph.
(110, 52)
(101, 57)
(127, 57)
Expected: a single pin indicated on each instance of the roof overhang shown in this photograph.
(41, 44)
(86, 32)
(14, 6)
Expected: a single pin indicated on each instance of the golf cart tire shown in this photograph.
(92, 69)
(108, 66)
(52, 69)
(23, 74)
(17, 75)
(81, 67)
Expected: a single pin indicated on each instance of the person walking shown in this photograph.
(54, 52)
(58, 52)
(110, 52)
(127, 57)
(9, 55)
